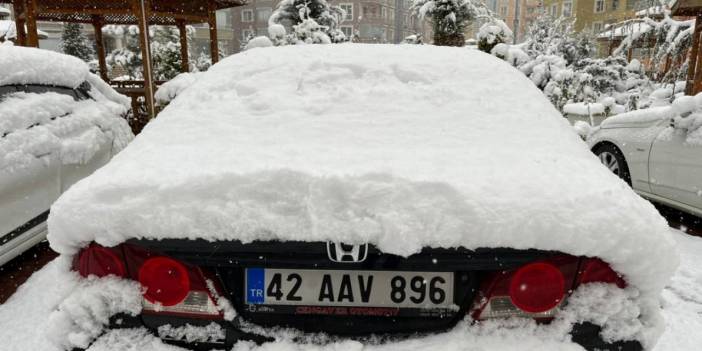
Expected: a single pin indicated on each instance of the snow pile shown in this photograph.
(213, 332)
(274, 144)
(36, 125)
(23, 65)
(170, 89)
(84, 314)
(259, 42)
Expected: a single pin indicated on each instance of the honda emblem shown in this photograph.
(343, 253)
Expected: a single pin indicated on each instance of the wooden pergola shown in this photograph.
(142, 13)
(692, 8)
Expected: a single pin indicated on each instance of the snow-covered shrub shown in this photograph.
(449, 18)
(165, 52)
(413, 39)
(309, 17)
(492, 33)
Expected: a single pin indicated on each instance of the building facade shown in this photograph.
(595, 15)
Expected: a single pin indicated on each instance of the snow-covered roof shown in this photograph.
(430, 146)
(23, 65)
(4, 11)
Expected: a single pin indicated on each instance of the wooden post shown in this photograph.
(18, 6)
(184, 59)
(100, 44)
(31, 16)
(693, 62)
(141, 10)
(212, 22)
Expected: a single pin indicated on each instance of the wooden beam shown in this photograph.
(32, 30)
(100, 45)
(693, 62)
(141, 10)
(184, 56)
(212, 22)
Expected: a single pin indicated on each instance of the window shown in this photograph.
(554, 10)
(383, 12)
(347, 30)
(263, 14)
(348, 9)
(503, 11)
(567, 9)
(246, 34)
(599, 6)
(596, 27)
(222, 19)
(247, 15)
(615, 4)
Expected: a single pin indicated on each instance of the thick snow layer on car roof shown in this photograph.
(399, 146)
(23, 65)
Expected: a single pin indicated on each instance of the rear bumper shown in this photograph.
(585, 334)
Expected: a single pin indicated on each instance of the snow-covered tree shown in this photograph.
(165, 52)
(127, 58)
(555, 36)
(449, 18)
(671, 40)
(310, 17)
(74, 42)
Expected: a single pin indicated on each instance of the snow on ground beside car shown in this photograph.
(25, 319)
(35, 125)
(448, 148)
(23, 65)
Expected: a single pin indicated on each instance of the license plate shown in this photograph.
(424, 290)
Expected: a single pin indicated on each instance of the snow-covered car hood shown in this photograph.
(403, 147)
(23, 65)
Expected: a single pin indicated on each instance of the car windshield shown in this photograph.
(77, 94)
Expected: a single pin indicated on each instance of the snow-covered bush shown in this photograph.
(492, 33)
(258, 42)
(449, 18)
(309, 18)
(413, 39)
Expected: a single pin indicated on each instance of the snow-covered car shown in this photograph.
(357, 191)
(58, 124)
(658, 151)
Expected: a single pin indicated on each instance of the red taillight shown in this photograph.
(537, 287)
(597, 271)
(534, 290)
(99, 261)
(166, 281)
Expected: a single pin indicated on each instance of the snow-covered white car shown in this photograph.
(658, 151)
(58, 124)
(358, 190)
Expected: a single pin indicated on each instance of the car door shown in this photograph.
(675, 168)
(25, 197)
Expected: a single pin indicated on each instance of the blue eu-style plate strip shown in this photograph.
(255, 280)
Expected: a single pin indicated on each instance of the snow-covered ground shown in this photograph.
(24, 319)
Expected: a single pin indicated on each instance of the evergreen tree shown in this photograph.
(165, 52)
(308, 16)
(449, 18)
(74, 42)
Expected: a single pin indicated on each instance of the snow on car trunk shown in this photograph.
(402, 147)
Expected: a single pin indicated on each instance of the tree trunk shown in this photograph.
(449, 39)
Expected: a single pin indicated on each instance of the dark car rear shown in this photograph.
(343, 290)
